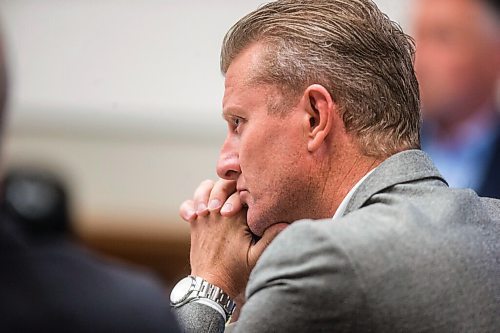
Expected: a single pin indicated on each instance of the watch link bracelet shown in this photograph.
(193, 288)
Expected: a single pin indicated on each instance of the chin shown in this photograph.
(256, 229)
(259, 223)
(255, 224)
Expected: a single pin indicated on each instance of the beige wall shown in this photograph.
(121, 96)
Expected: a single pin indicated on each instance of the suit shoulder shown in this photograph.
(305, 254)
(492, 207)
(304, 272)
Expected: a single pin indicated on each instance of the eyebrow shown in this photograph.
(231, 112)
(228, 116)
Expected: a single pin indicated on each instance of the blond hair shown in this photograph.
(355, 51)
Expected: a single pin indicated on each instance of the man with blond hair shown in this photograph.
(322, 107)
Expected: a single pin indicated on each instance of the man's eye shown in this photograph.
(236, 123)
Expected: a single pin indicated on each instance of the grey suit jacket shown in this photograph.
(409, 255)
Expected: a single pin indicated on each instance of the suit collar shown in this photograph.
(406, 166)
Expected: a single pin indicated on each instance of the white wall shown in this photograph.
(130, 59)
(123, 96)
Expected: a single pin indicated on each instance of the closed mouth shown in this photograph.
(244, 192)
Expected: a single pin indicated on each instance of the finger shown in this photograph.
(187, 211)
(201, 195)
(220, 192)
(232, 206)
(268, 236)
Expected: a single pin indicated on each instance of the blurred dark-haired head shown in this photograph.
(36, 200)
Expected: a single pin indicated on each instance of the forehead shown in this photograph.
(246, 98)
(246, 87)
(456, 13)
(240, 84)
(244, 66)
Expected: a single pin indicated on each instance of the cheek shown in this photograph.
(257, 146)
(264, 163)
(271, 155)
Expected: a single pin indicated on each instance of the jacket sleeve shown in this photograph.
(303, 282)
(196, 317)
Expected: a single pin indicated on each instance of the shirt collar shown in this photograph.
(343, 205)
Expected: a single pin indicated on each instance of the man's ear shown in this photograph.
(319, 107)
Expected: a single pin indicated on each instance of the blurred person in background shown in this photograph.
(49, 284)
(458, 67)
(38, 200)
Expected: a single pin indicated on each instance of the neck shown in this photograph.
(343, 173)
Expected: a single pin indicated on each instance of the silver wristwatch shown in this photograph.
(193, 287)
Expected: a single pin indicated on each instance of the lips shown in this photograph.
(240, 189)
(243, 196)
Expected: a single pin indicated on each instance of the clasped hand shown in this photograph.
(223, 249)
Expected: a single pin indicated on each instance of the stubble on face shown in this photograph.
(283, 200)
(271, 147)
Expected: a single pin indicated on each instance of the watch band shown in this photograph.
(204, 289)
(196, 288)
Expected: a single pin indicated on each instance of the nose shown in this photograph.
(228, 165)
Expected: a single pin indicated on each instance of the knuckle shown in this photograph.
(207, 183)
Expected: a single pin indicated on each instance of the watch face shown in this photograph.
(181, 290)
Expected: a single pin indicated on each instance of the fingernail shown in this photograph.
(201, 207)
(226, 208)
(214, 204)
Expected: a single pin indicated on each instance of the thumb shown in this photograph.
(266, 239)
